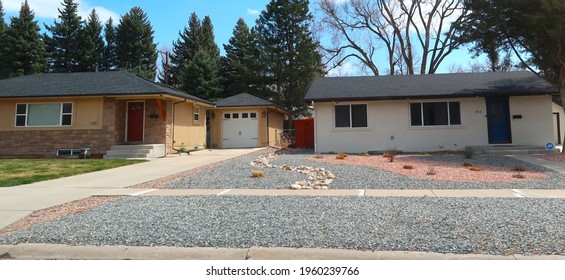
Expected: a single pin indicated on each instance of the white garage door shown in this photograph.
(240, 130)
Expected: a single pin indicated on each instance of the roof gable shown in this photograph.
(243, 100)
(428, 86)
(85, 84)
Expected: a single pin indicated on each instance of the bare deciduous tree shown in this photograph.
(390, 30)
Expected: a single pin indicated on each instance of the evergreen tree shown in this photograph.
(183, 50)
(200, 76)
(23, 43)
(92, 45)
(3, 28)
(64, 44)
(532, 30)
(109, 57)
(289, 52)
(135, 49)
(241, 68)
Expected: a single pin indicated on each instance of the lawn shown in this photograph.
(15, 172)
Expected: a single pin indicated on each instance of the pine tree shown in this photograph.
(289, 52)
(109, 57)
(200, 76)
(92, 45)
(3, 28)
(135, 49)
(23, 43)
(241, 68)
(63, 46)
(183, 50)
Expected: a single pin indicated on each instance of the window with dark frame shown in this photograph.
(435, 113)
(227, 116)
(196, 114)
(44, 114)
(352, 116)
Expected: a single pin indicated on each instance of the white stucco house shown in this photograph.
(434, 112)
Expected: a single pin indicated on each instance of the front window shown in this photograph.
(435, 113)
(44, 114)
(354, 115)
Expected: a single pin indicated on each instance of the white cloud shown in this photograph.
(253, 11)
(50, 9)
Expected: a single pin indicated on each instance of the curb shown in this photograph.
(66, 252)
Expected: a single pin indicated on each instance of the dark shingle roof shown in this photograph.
(428, 86)
(243, 100)
(86, 84)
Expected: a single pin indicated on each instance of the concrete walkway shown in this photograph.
(20, 201)
(65, 252)
(515, 193)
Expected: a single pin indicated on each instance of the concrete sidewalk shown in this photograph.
(513, 193)
(19, 201)
(65, 252)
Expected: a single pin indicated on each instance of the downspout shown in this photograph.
(173, 133)
(315, 129)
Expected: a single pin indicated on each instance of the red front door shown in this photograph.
(136, 113)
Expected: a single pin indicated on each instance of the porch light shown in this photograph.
(264, 114)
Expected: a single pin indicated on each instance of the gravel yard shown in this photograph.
(236, 174)
(487, 225)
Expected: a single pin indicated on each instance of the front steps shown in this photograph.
(136, 151)
(509, 150)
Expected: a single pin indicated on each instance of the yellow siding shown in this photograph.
(276, 125)
(187, 132)
(87, 113)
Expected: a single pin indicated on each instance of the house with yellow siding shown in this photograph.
(113, 114)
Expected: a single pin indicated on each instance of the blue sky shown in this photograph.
(168, 17)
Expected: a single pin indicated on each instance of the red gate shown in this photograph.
(304, 133)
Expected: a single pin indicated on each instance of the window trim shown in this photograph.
(61, 115)
(423, 125)
(196, 114)
(351, 117)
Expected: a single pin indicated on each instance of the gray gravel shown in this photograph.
(454, 225)
(236, 174)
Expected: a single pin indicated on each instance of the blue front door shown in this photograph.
(498, 118)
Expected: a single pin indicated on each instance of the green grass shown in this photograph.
(15, 172)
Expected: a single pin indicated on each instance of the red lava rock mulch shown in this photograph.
(445, 171)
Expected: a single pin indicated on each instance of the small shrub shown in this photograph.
(519, 168)
(318, 155)
(519, 175)
(390, 154)
(344, 155)
(257, 173)
(339, 157)
(408, 166)
(431, 171)
(364, 154)
(476, 169)
(467, 164)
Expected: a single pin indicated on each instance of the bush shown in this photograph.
(467, 164)
(364, 154)
(431, 171)
(390, 154)
(476, 169)
(408, 166)
(519, 168)
(257, 173)
(340, 157)
(519, 176)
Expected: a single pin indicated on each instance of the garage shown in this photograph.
(240, 129)
(246, 121)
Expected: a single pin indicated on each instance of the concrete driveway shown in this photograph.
(19, 201)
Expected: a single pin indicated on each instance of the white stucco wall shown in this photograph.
(389, 126)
